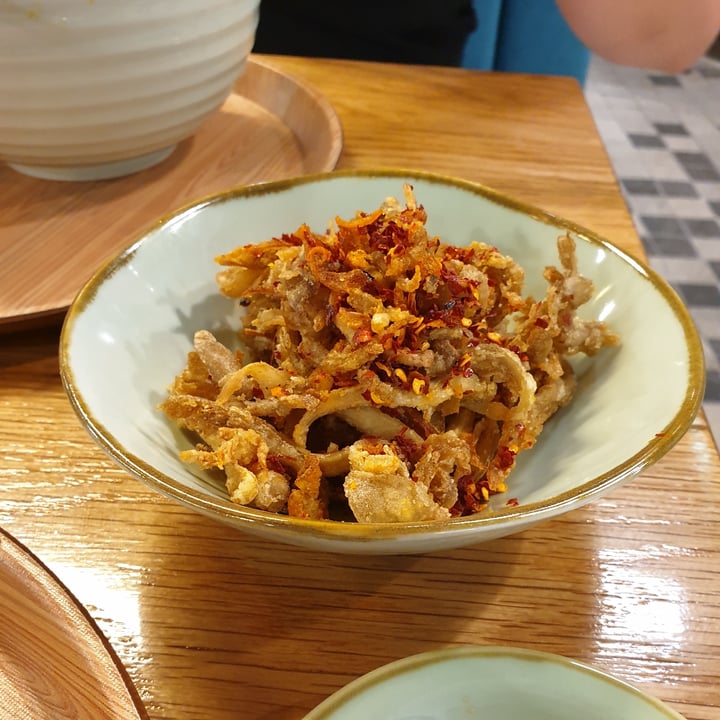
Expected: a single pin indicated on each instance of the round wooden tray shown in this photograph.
(53, 235)
(54, 661)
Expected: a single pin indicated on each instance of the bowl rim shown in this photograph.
(656, 447)
(402, 666)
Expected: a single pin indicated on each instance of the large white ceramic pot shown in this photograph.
(94, 89)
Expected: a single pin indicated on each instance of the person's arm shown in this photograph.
(667, 35)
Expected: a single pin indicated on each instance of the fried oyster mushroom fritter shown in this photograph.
(385, 376)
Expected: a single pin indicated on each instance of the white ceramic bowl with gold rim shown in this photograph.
(490, 683)
(129, 330)
(95, 89)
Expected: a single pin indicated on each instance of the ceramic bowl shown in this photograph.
(95, 89)
(128, 331)
(502, 683)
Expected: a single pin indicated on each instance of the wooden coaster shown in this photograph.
(53, 234)
(55, 661)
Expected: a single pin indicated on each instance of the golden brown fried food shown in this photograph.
(385, 374)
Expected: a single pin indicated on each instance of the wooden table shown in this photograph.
(213, 624)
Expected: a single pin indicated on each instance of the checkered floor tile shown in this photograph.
(662, 133)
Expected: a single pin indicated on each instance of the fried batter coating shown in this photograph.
(384, 367)
(380, 490)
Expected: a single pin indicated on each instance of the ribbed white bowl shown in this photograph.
(100, 88)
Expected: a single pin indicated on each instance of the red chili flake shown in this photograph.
(541, 323)
(344, 380)
(418, 383)
(362, 336)
(661, 434)
(512, 502)
(505, 458)
(407, 448)
(472, 496)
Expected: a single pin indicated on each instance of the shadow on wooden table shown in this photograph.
(314, 622)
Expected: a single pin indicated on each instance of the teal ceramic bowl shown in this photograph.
(128, 332)
(490, 683)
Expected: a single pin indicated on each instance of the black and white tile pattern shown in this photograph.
(662, 134)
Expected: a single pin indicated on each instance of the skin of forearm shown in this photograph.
(668, 35)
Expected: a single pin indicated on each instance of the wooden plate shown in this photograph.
(54, 661)
(53, 235)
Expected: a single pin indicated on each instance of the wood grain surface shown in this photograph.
(212, 624)
(53, 234)
(55, 663)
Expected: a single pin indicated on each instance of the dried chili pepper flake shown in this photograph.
(401, 375)
(375, 399)
(512, 502)
(504, 458)
(407, 448)
(362, 219)
(474, 506)
(541, 322)
(362, 336)
(418, 383)
(419, 386)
